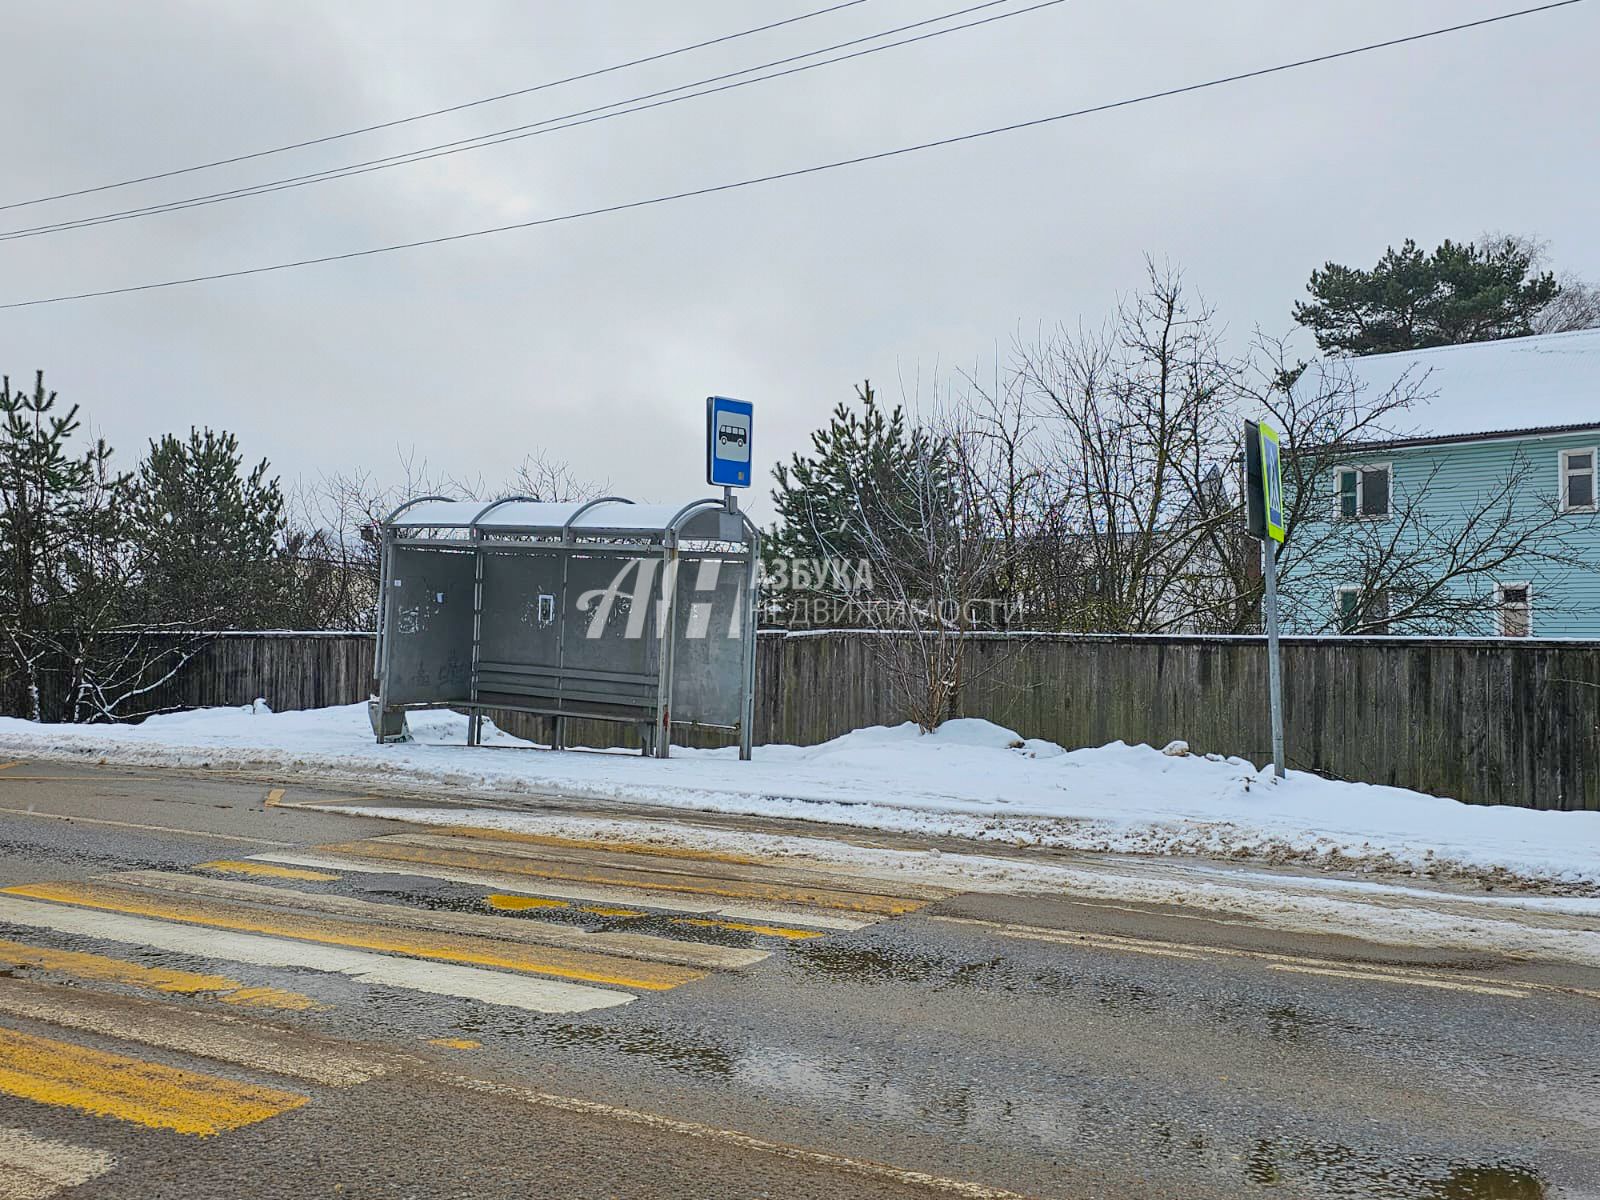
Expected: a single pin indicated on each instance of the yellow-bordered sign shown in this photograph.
(1272, 482)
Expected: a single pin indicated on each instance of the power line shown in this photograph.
(641, 103)
(799, 172)
(439, 112)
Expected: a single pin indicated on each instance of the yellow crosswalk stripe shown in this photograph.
(193, 1032)
(507, 903)
(470, 949)
(129, 1089)
(622, 896)
(641, 880)
(229, 866)
(748, 927)
(102, 969)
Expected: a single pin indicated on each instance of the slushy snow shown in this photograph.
(969, 779)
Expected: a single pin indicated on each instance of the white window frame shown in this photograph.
(1386, 467)
(1500, 605)
(1593, 472)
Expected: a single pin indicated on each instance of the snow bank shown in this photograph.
(969, 779)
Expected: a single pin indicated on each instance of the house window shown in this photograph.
(1363, 612)
(1515, 604)
(1577, 480)
(1363, 491)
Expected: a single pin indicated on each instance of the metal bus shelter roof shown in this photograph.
(605, 517)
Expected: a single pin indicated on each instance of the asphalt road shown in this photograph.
(205, 990)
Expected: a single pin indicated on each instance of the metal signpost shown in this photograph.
(730, 434)
(1264, 519)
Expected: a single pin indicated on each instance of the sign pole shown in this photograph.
(1264, 519)
(1269, 571)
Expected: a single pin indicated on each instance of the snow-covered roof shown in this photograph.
(1505, 388)
(610, 516)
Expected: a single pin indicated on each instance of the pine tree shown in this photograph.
(60, 532)
(840, 505)
(210, 536)
(1412, 300)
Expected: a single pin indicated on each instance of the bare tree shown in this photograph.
(333, 541)
(1007, 475)
(334, 547)
(1576, 304)
(549, 478)
(1136, 420)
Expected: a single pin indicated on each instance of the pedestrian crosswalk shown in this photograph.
(156, 999)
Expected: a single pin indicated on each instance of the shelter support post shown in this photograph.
(747, 632)
(380, 657)
(475, 714)
(665, 643)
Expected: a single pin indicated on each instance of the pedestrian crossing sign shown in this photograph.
(1272, 482)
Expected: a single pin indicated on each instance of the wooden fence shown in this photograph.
(1497, 721)
(1488, 721)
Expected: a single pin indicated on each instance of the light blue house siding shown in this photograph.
(1445, 483)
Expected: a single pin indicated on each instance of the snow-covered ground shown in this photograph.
(970, 779)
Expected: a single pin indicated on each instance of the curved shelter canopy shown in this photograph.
(609, 517)
(639, 613)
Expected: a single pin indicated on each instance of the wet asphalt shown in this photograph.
(931, 1041)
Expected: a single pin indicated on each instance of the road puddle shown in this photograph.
(659, 1046)
(1332, 1169)
(843, 960)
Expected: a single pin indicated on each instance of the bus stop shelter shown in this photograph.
(604, 609)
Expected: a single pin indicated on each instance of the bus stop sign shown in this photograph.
(728, 436)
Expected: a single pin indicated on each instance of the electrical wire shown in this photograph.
(555, 124)
(800, 172)
(439, 112)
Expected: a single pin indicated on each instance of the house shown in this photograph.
(1489, 515)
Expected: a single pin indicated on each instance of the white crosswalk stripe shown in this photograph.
(36, 1168)
(442, 979)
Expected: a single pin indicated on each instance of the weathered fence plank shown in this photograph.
(1487, 721)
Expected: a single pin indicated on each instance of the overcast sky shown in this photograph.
(598, 340)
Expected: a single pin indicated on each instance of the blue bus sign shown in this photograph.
(728, 434)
